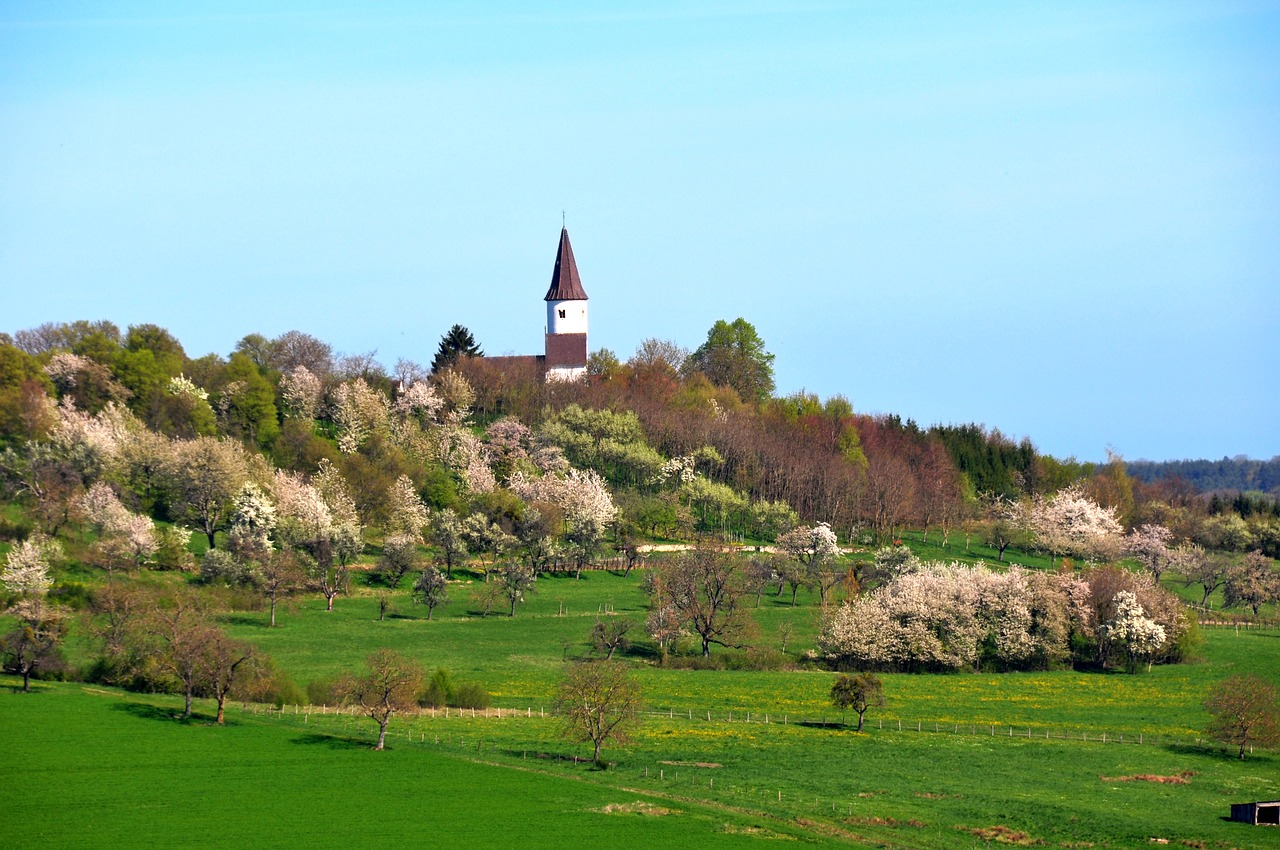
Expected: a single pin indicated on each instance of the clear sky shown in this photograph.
(1061, 220)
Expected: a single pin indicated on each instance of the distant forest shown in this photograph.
(1206, 476)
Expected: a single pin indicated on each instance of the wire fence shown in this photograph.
(810, 720)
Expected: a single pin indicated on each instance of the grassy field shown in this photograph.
(950, 762)
(89, 767)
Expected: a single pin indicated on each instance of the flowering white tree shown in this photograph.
(1070, 523)
(815, 547)
(301, 391)
(253, 518)
(41, 626)
(26, 567)
(1149, 544)
(1132, 631)
(203, 476)
(950, 616)
(360, 413)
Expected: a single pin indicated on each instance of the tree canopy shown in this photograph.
(734, 356)
(458, 342)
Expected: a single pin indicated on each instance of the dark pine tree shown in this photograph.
(458, 342)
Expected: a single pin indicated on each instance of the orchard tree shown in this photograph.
(399, 557)
(224, 663)
(448, 532)
(704, 588)
(202, 478)
(1197, 566)
(516, 580)
(1246, 712)
(610, 635)
(1149, 544)
(734, 356)
(860, 692)
(1132, 631)
(1254, 582)
(431, 589)
(598, 702)
(280, 575)
(33, 643)
(815, 548)
(389, 685)
(26, 567)
(1070, 523)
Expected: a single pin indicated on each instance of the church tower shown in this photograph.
(566, 348)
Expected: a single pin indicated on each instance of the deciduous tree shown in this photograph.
(389, 685)
(598, 702)
(1246, 712)
(431, 589)
(861, 691)
(734, 355)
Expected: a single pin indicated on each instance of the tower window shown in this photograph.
(562, 314)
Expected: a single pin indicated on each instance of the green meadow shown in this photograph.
(727, 757)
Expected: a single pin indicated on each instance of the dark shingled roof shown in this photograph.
(565, 283)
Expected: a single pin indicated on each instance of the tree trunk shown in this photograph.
(26, 680)
(273, 623)
(595, 758)
(209, 534)
(222, 701)
(186, 712)
(329, 598)
(859, 721)
(382, 733)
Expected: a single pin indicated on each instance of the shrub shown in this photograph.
(438, 691)
(472, 695)
(321, 692)
(219, 566)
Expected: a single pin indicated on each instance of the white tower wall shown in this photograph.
(567, 317)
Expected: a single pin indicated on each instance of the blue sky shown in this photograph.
(1059, 220)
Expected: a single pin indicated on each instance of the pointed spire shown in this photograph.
(565, 283)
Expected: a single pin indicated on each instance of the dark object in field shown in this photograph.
(1258, 814)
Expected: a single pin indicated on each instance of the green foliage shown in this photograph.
(734, 356)
(610, 442)
(457, 342)
(991, 461)
(248, 402)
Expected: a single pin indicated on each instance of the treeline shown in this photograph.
(1207, 476)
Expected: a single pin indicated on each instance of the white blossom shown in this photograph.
(26, 567)
(184, 386)
(300, 390)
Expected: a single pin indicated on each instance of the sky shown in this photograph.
(1061, 221)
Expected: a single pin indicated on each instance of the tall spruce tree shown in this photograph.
(458, 342)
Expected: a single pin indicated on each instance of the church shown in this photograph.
(565, 352)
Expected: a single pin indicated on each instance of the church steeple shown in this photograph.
(566, 285)
(566, 351)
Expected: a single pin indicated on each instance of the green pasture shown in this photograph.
(519, 660)
(90, 767)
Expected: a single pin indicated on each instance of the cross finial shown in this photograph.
(562, 224)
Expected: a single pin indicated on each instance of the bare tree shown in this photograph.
(390, 685)
(609, 636)
(1246, 712)
(222, 667)
(704, 587)
(431, 589)
(599, 702)
(279, 576)
(516, 580)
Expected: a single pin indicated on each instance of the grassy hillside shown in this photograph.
(299, 776)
